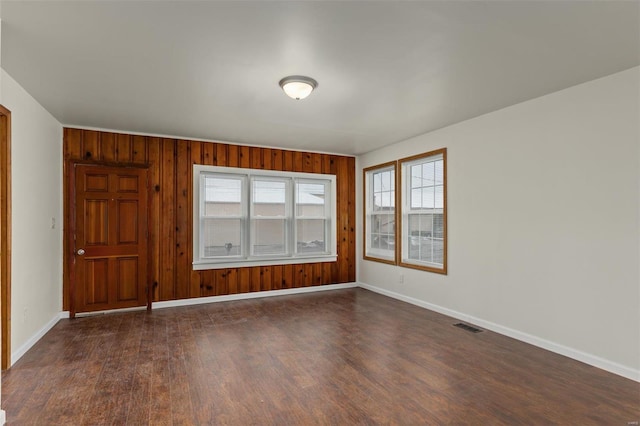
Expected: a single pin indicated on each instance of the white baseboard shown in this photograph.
(592, 360)
(253, 295)
(225, 298)
(3, 417)
(66, 314)
(18, 353)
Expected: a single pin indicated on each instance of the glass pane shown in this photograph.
(427, 197)
(438, 226)
(375, 241)
(383, 227)
(386, 180)
(222, 196)
(222, 237)
(439, 172)
(427, 173)
(310, 199)
(416, 176)
(377, 185)
(385, 200)
(310, 235)
(377, 201)
(269, 236)
(425, 238)
(439, 197)
(416, 198)
(269, 198)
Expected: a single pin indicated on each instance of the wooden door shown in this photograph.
(110, 241)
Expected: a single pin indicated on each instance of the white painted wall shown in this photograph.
(544, 222)
(36, 264)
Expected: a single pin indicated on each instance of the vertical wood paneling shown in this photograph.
(167, 220)
(266, 278)
(317, 274)
(196, 158)
(351, 219)
(277, 159)
(316, 163)
(72, 151)
(232, 154)
(308, 274)
(333, 169)
(245, 161)
(171, 205)
(327, 277)
(326, 163)
(155, 235)
(307, 163)
(266, 159)
(139, 150)
(73, 147)
(208, 153)
(108, 146)
(221, 155)
(298, 276)
(343, 219)
(287, 276)
(91, 145)
(221, 282)
(256, 158)
(208, 283)
(254, 285)
(183, 219)
(232, 281)
(244, 280)
(298, 161)
(276, 277)
(214, 151)
(123, 148)
(287, 161)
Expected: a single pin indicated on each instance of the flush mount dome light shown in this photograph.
(298, 86)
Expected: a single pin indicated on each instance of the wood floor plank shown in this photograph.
(336, 357)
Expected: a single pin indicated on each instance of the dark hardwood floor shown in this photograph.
(340, 357)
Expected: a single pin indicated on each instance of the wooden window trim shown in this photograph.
(366, 170)
(399, 212)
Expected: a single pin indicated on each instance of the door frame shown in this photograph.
(71, 229)
(5, 236)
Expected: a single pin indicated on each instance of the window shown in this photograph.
(380, 213)
(246, 217)
(424, 211)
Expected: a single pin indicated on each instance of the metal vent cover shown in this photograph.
(468, 327)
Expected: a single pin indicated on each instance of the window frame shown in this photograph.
(253, 218)
(246, 258)
(326, 215)
(367, 185)
(404, 179)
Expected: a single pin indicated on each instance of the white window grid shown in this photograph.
(247, 256)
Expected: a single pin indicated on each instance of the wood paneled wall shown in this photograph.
(170, 169)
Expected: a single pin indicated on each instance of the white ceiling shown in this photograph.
(386, 70)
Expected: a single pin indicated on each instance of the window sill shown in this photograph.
(438, 269)
(242, 263)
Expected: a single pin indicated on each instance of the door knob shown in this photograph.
(80, 252)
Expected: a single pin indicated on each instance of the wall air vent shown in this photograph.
(467, 327)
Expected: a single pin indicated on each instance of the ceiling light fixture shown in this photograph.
(298, 86)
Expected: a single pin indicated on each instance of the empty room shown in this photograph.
(319, 212)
